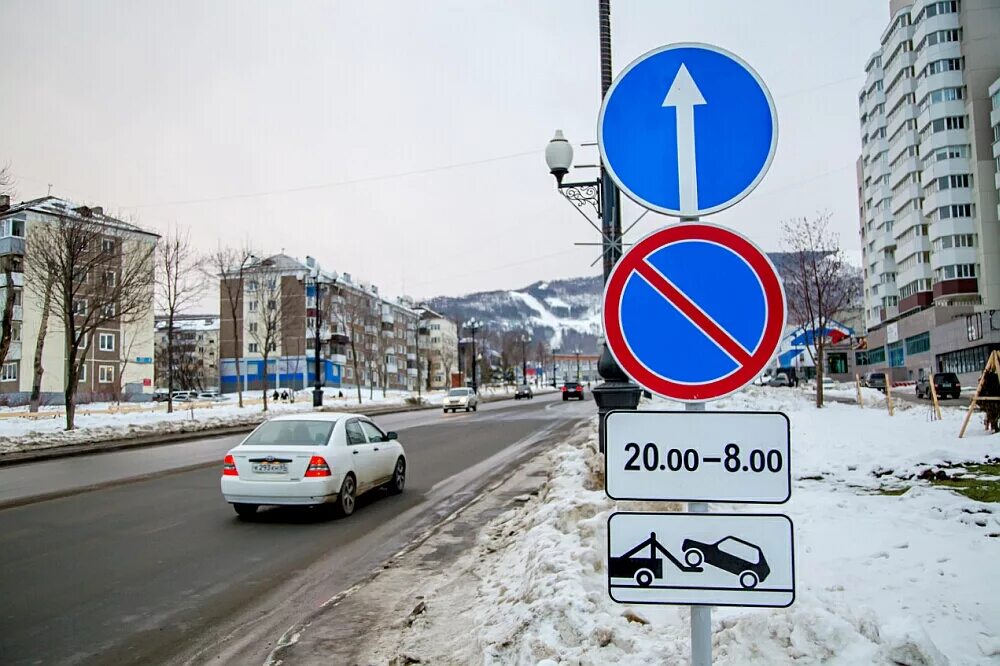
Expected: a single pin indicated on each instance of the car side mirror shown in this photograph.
(391, 435)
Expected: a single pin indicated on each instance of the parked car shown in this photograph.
(572, 390)
(184, 396)
(828, 382)
(461, 398)
(946, 385)
(875, 380)
(319, 459)
(160, 395)
(780, 379)
(523, 391)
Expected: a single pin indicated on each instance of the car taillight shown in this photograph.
(229, 466)
(318, 467)
(563, 389)
(579, 389)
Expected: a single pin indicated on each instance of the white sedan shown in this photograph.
(312, 459)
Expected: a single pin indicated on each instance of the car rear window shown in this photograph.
(291, 433)
(458, 392)
(948, 376)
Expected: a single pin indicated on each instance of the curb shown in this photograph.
(144, 441)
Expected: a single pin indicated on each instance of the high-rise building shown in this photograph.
(437, 341)
(929, 202)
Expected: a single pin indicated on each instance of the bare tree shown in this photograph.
(102, 274)
(818, 283)
(48, 283)
(179, 284)
(231, 265)
(350, 311)
(267, 331)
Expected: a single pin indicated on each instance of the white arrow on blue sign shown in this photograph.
(687, 130)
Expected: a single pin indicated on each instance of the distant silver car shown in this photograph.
(461, 398)
(780, 379)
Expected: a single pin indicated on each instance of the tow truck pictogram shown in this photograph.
(645, 569)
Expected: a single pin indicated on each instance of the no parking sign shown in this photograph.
(694, 312)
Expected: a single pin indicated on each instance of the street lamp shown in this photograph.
(577, 352)
(554, 352)
(474, 325)
(524, 358)
(616, 391)
(316, 275)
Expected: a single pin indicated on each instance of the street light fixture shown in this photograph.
(474, 325)
(577, 352)
(616, 391)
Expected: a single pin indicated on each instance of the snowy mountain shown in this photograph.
(564, 313)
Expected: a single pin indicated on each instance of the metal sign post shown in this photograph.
(694, 312)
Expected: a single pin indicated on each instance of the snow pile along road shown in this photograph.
(881, 579)
(19, 434)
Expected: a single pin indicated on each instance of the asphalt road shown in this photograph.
(159, 570)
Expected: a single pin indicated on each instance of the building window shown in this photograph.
(955, 272)
(974, 327)
(876, 356)
(109, 278)
(940, 37)
(253, 306)
(80, 306)
(83, 374)
(11, 227)
(272, 304)
(918, 344)
(252, 327)
(965, 360)
(106, 342)
(109, 310)
(107, 245)
(896, 355)
(942, 95)
(8, 373)
(272, 346)
(954, 210)
(253, 348)
(105, 374)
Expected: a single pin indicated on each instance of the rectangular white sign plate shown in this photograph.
(698, 456)
(706, 559)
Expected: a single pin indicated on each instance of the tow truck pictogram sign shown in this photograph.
(705, 559)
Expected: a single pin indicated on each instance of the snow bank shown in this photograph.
(884, 580)
(18, 434)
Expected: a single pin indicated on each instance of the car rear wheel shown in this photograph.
(398, 477)
(346, 498)
(748, 580)
(475, 408)
(245, 511)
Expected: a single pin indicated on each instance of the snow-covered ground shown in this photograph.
(881, 579)
(98, 421)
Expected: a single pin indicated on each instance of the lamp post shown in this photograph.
(524, 358)
(554, 352)
(316, 274)
(474, 325)
(577, 352)
(616, 391)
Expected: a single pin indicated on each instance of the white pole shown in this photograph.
(701, 616)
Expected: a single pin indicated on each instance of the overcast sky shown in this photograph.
(399, 141)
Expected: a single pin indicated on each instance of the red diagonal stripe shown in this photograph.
(713, 331)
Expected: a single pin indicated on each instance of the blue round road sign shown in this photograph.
(693, 312)
(687, 129)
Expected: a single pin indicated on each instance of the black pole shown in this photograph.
(616, 391)
(318, 388)
(475, 385)
(524, 362)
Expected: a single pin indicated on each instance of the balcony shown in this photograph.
(412, 372)
(339, 359)
(18, 313)
(14, 353)
(411, 356)
(961, 286)
(918, 301)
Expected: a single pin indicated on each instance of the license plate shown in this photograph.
(272, 468)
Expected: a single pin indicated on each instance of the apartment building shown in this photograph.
(196, 352)
(437, 343)
(119, 360)
(363, 338)
(927, 185)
